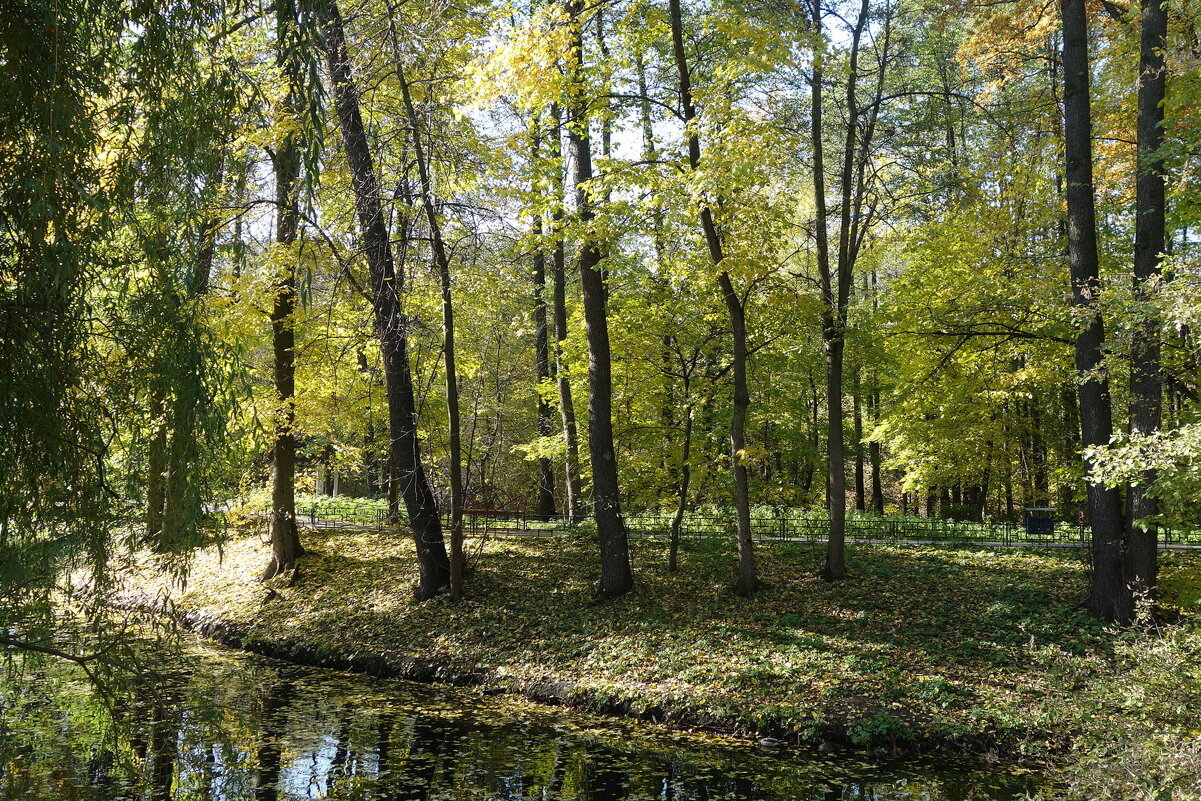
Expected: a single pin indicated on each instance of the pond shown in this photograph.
(210, 724)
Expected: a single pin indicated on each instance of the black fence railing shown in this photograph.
(783, 525)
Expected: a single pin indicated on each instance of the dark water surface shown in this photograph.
(215, 725)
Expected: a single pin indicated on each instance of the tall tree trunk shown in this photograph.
(386, 284)
(546, 470)
(748, 578)
(442, 262)
(616, 576)
(857, 415)
(1146, 387)
(1109, 599)
(677, 520)
(873, 408)
(875, 456)
(572, 494)
(285, 536)
(835, 293)
(1069, 444)
(814, 437)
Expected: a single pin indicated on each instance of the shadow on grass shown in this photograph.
(972, 608)
(920, 627)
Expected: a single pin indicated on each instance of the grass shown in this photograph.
(922, 648)
(768, 522)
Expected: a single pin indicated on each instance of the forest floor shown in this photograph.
(922, 649)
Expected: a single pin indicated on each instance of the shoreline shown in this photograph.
(809, 664)
(833, 736)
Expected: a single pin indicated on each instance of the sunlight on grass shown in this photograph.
(921, 644)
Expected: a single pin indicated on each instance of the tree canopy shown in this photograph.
(673, 255)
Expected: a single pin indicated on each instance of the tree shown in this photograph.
(546, 472)
(386, 286)
(1146, 385)
(442, 262)
(1109, 598)
(836, 276)
(104, 112)
(616, 576)
(285, 538)
(748, 578)
(50, 434)
(571, 438)
(185, 486)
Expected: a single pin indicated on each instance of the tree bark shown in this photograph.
(386, 284)
(857, 414)
(874, 456)
(1109, 599)
(748, 578)
(285, 536)
(546, 470)
(835, 289)
(572, 494)
(442, 263)
(1146, 386)
(616, 576)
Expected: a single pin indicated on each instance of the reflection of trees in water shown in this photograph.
(222, 716)
(329, 745)
(100, 769)
(270, 750)
(342, 766)
(602, 781)
(424, 755)
(383, 732)
(255, 732)
(164, 745)
(350, 750)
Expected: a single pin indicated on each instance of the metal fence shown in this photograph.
(782, 525)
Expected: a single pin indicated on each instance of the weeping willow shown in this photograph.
(113, 389)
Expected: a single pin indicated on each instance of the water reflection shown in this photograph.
(220, 727)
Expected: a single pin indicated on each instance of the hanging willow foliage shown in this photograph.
(111, 175)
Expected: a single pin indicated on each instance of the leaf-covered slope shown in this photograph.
(921, 646)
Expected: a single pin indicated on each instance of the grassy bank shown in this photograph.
(922, 649)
